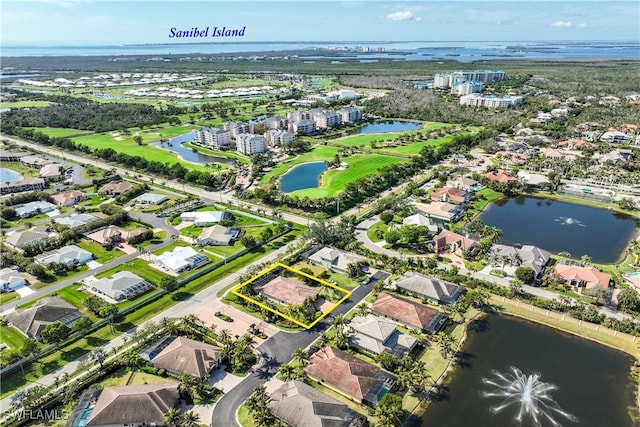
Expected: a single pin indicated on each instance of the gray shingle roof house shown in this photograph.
(180, 354)
(218, 235)
(427, 287)
(75, 220)
(376, 335)
(529, 256)
(31, 321)
(19, 239)
(122, 285)
(134, 405)
(298, 404)
(11, 280)
(334, 259)
(71, 255)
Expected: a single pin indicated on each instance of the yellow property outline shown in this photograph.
(235, 292)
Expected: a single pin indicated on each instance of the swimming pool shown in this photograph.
(634, 275)
(81, 421)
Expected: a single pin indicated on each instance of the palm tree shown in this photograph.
(585, 260)
(190, 419)
(287, 372)
(173, 417)
(224, 336)
(299, 356)
(98, 355)
(362, 310)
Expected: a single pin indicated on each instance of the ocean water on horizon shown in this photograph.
(416, 50)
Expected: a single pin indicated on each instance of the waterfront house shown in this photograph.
(501, 177)
(349, 376)
(453, 242)
(22, 185)
(298, 404)
(524, 256)
(408, 313)
(376, 335)
(436, 290)
(581, 277)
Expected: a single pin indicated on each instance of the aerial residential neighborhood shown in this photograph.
(242, 231)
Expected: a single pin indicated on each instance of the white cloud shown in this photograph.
(582, 25)
(401, 15)
(561, 24)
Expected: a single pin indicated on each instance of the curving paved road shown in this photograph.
(274, 352)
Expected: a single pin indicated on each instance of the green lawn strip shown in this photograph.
(128, 146)
(61, 132)
(435, 363)
(569, 324)
(414, 148)
(244, 417)
(11, 337)
(24, 104)
(371, 232)
(171, 246)
(227, 154)
(335, 181)
(51, 279)
(342, 280)
(139, 267)
(102, 255)
(70, 293)
(320, 153)
(131, 225)
(489, 194)
(5, 297)
(239, 218)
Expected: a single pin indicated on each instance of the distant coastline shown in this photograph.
(462, 51)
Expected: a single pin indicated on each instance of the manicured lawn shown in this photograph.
(124, 376)
(171, 247)
(73, 295)
(139, 267)
(103, 255)
(5, 297)
(487, 196)
(371, 232)
(125, 144)
(342, 280)
(335, 181)
(413, 148)
(11, 337)
(244, 417)
(61, 132)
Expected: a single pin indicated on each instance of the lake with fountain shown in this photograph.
(558, 226)
(515, 370)
(175, 144)
(304, 175)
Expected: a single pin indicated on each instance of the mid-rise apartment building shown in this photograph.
(213, 137)
(249, 144)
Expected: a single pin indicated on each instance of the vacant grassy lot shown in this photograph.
(413, 148)
(11, 337)
(102, 255)
(139, 267)
(61, 132)
(24, 104)
(335, 181)
(21, 169)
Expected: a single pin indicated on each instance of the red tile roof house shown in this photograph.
(448, 194)
(582, 277)
(353, 378)
(287, 292)
(501, 177)
(115, 188)
(410, 314)
(449, 241)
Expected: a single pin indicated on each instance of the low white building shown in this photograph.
(203, 218)
(71, 255)
(180, 259)
(217, 235)
(249, 144)
(10, 280)
(34, 208)
(150, 199)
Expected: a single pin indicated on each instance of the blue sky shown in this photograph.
(86, 22)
